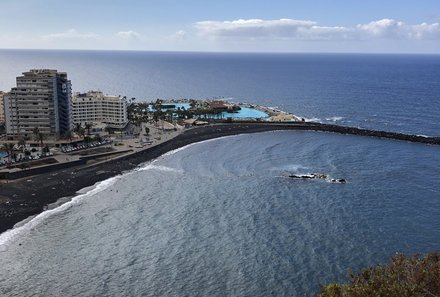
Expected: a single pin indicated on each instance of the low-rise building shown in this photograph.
(95, 107)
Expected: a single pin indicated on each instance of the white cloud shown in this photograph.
(310, 30)
(71, 34)
(129, 35)
(179, 35)
(385, 28)
(426, 31)
(253, 28)
(392, 29)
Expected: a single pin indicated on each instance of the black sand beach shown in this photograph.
(22, 198)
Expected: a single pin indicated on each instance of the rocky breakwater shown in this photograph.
(373, 133)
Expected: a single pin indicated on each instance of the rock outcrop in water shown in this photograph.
(318, 176)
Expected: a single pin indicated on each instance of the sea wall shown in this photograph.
(312, 126)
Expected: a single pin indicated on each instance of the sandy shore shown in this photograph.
(22, 198)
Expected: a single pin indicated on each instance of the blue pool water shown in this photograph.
(245, 112)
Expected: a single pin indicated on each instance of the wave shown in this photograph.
(151, 166)
(98, 187)
(313, 120)
(334, 119)
(328, 119)
(294, 167)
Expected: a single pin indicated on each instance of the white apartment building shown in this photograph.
(2, 109)
(42, 99)
(95, 107)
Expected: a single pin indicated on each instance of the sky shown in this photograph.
(386, 26)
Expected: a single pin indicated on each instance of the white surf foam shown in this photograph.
(13, 233)
(151, 166)
(334, 119)
(294, 167)
(313, 120)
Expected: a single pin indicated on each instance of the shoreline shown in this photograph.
(29, 196)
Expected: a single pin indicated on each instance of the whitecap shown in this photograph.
(294, 167)
(151, 166)
(334, 119)
(313, 120)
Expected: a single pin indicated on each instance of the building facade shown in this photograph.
(2, 109)
(42, 99)
(95, 107)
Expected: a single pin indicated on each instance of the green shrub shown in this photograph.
(412, 276)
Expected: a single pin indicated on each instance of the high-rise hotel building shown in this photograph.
(95, 107)
(2, 110)
(42, 99)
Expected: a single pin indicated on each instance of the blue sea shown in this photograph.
(221, 217)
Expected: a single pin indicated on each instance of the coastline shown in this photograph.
(29, 196)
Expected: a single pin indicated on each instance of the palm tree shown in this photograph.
(108, 129)
(77, 127)
(68, 135)
(9, 148)
(22, 143)
(88, 126)
(138, 123)
(38, 135)
(81, 132)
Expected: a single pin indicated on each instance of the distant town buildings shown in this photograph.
(2, 110)
(95, 107)
(41, 99)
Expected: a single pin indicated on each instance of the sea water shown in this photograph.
(387, 92)
(222, 217)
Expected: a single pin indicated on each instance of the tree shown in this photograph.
(147, 130)
(9, 148)
(38, 135)
(68, 135)
(22, 144)
(108, 129)
(79, 130)
(88, 126)
(404, 276)
(77, 127)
